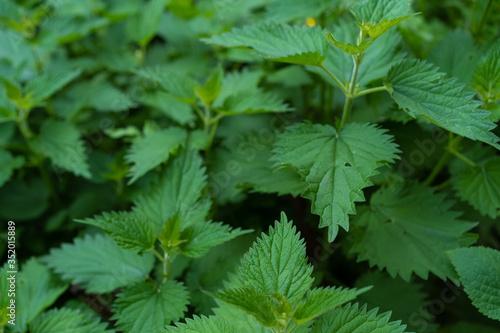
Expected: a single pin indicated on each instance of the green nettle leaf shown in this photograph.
(486, 80)
(257, 304)
(277, 263)
(65, 28)
(456, 55)
(352, 319)
(377, 59)
(240, 94)
(146, 306)
(97, 94)
(103, 96)
(335, 165)
(212, 324)
(236, 83)
(348, 47)
(43, 86)
(67, 320)
(144, 25)
(23, 200)
(274, 278)
(153, 149)
(321, 300)
(479, 272)
(420, 89)
(242, 321)
(480, 186)
(14, 93)
(177, 193)
(60, 142)
(408, 229)
(130, 231)
(201, 237)
(8, 164)
(245, 163)
(386, 293)
(36, 289)
(180, 86)
(375, 17)
(274, 274)
(173, 108)
(98, 264)
(252, 102)
(284, 43)
(177, 210)
(209, 92)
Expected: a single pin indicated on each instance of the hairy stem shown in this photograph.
(22, 123)
(166, 267)
(346, 113)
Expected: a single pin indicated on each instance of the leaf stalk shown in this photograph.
(443, 161)
(336, 79)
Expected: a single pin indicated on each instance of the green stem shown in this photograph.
(442, 185)
(328, 104)
(48, 182)
(216, 118)
(443, 161)
(483, 18)
(336, 79)
(438, 167)
(369, 91)
(200, 114)
(22, 123)
(323, 97)
(149, 278)
(157, 255)
(462, 157)
(212, 132)
(346, 113)
(166, 267)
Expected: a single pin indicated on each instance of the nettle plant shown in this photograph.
(148, 122)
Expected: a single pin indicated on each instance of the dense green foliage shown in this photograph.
(146, 147)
